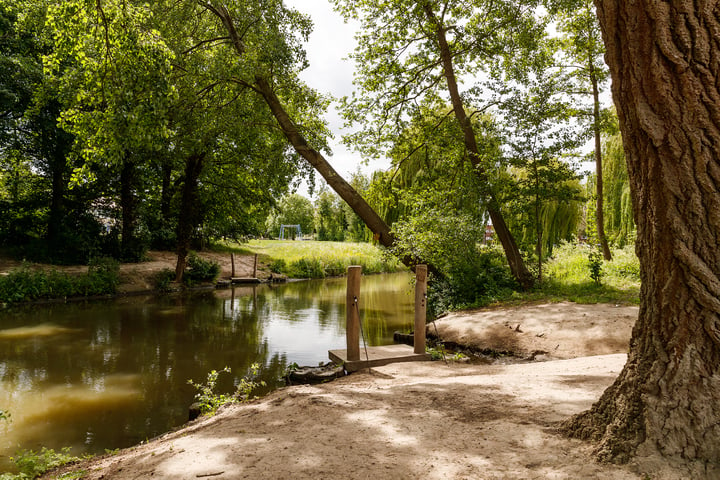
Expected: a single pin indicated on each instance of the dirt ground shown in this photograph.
(423, 420)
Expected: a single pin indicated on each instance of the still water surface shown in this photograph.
(105, 375)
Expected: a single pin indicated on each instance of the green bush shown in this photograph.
(210, 401)
(307, 268)
(200, 270)
(278, 265)
(480, 280)
(163, 279)
(25, 284)
(595, 264)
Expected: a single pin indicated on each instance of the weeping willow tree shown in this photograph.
(436, 207)
(557, 216)
(428, 163)
(619, 221)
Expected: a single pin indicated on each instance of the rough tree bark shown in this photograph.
(512, 252)
(664, 59)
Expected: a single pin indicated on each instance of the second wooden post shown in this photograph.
(352, 328)
(420, 308)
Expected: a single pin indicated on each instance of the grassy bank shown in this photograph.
(311, 259)
(567, 276)
(25, 284)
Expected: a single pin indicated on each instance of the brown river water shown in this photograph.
(102, 375)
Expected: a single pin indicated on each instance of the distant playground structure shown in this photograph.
(294, 232)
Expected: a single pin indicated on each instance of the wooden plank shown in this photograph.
(352, 315)
(420, 307)
(245, 280)
(377, 357)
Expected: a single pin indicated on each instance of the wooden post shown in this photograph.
(232, 265)
(352, 328)
(420, 308)
(255, 267)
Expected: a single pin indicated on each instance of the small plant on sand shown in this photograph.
(595, 262)
(209, 401)
(4, 415)
(33, 464)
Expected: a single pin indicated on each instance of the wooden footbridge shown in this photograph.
(355, 358)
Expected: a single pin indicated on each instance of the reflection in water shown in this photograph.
(103, 375)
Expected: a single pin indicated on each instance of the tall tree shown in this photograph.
(408, 53)
(541, 141)
(116, 98)
(663, 63)
(265, 38)
(582, 45)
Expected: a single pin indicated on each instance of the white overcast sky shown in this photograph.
(330, 72)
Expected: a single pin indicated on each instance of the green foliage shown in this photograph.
(595, 262)
(543, 189)
(210, 401)
(200, 270)
(619, 221)
(163, 279)
(567, 278)
(471, 274)
(292, 210)
(624, 264)
(5, 415)
(306, 268)
(330, 223)
(26, 284)
(32, 464)
(311, 259)
(438, 352)
(278, 265)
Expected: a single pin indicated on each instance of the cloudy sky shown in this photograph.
(330, 72)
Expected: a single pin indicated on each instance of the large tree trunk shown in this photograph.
(664, 59)
(512, 252)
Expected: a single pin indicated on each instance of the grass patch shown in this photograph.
(569, 277)
(312, 259)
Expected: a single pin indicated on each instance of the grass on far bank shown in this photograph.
(313, 259)
(566, 277)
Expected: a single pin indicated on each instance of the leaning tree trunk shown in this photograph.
(358, 204)
(664, 59)
(510, 247)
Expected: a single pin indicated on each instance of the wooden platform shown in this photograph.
(378, 356)
(244, 280)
